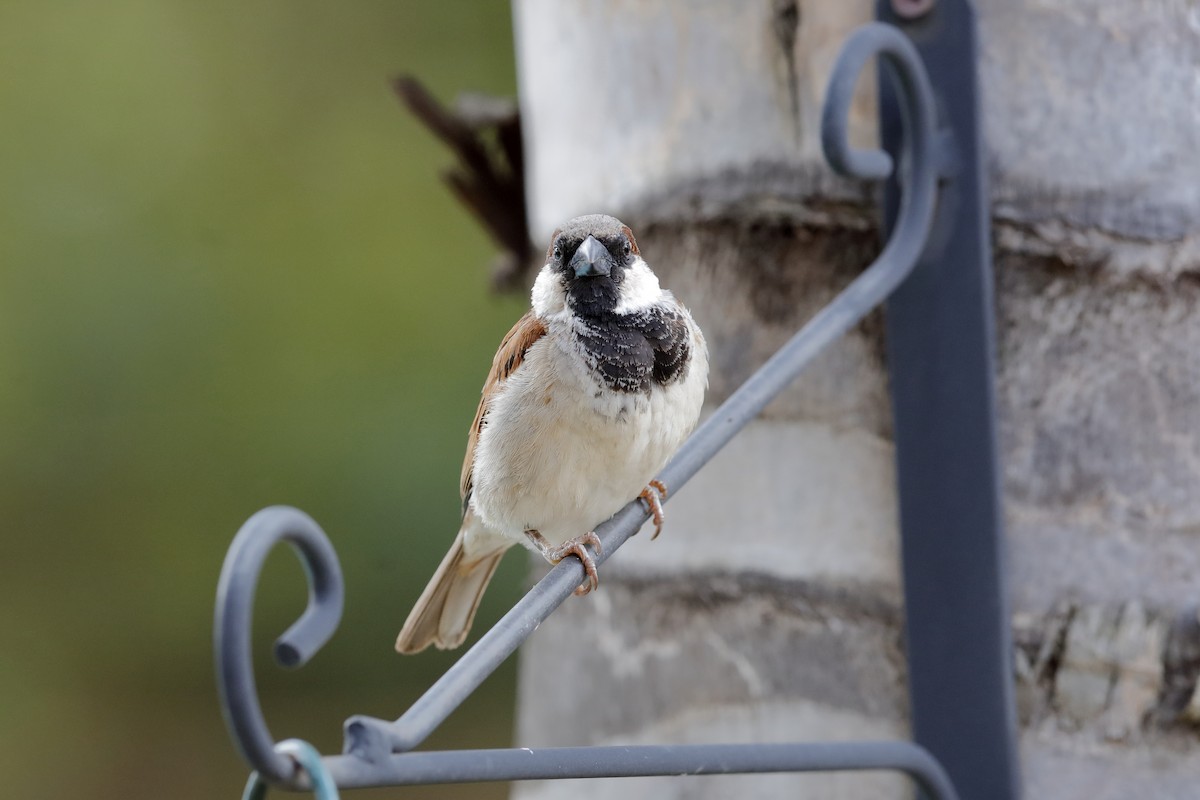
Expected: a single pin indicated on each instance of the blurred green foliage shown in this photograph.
(229, 277)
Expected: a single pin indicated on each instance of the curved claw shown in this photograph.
(575, 547)
(654, 493)
(235, 604)
(589, 566)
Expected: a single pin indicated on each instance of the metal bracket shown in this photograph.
(941, 359)
(939, 325)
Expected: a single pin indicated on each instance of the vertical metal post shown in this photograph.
(941, 345)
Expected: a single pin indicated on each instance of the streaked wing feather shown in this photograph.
(508, 360)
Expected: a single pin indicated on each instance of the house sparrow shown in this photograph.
(589, 394)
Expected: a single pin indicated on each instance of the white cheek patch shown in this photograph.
(639, 290)
(548, 296)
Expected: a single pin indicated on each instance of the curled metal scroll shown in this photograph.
(375, 749)
(920, 166)
(235, 606)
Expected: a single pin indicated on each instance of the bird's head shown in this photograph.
(593, 268)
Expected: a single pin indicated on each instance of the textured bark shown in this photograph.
(770, 608)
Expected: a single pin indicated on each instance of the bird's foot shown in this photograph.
(654, 493)
(575, 547)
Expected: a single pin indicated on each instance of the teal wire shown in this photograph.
(309, 760)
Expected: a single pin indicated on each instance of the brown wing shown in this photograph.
(508, 359)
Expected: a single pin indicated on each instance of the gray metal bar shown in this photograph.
(941, 350)
(231, 629)
(519, 764)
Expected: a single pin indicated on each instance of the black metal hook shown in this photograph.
(235, 606)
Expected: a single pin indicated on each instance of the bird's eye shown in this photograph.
(627, 248)
(557, 251)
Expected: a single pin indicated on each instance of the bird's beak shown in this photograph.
(592, 258)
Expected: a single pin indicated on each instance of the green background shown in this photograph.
(229, 278)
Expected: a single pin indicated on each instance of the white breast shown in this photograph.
(561, 453)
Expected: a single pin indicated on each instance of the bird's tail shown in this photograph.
(445, 610)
